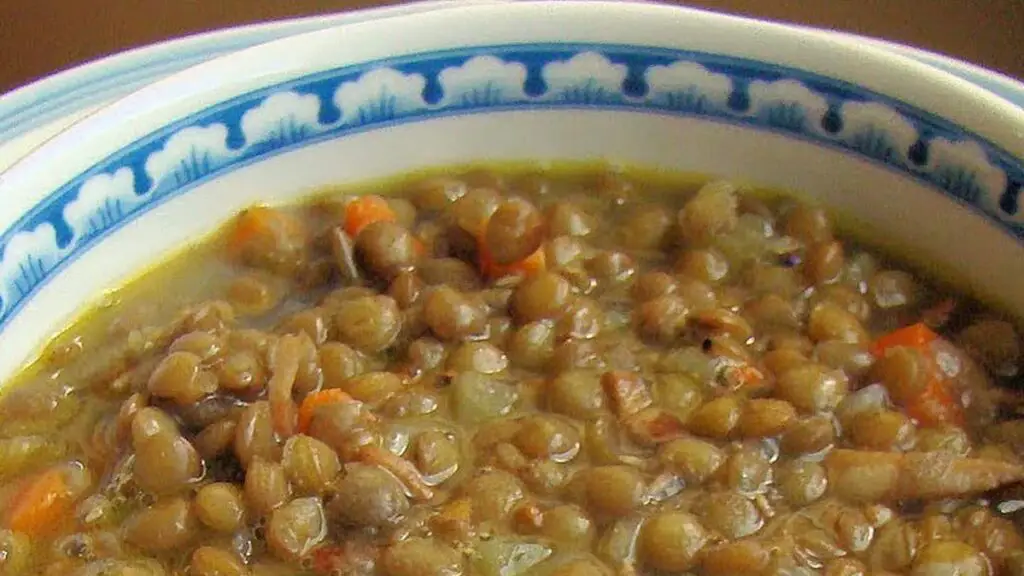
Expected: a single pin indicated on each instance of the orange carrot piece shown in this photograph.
(250, 223)
(655, 426)
(455, 519)
(528, 266)
(365, 210)
(400, 467)
(527, 517)
(419, 247)
(263, 221)
(532, 264)
(743, 376)
(328, 559)
(627, 390)
(310, 404)
(916, 335)
(936, 406)
(40, 504)
(331, 559)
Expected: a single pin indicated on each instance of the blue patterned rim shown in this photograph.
(93, 84)
(100, 81)
(344, 101)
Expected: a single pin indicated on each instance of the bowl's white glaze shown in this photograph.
(922, 159)
(995, 82)
(36, 112)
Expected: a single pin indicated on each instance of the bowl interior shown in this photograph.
(625, 83)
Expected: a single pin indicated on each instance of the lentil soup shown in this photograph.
(521, 372)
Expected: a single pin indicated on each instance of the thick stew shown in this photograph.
(521, 372)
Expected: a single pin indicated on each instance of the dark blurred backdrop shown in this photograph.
(39, 37)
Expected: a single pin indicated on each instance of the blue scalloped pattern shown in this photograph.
(344, 101)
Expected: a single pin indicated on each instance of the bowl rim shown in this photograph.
(994, 81)
(71, 94)
(180, 84)
(104, 80)
(120, 122)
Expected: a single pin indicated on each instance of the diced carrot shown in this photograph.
(654, 426)
(527, 517)
(743, 376)
(250, 223)
(400, 467)
(528, 266)
(916, 335)
(314, 401)
(418, 245)
(40, 504)
(261, 221)
(936, 406)
(328, 559)
(365, 210)
(345, 558)
(455, 519)
(627, 390)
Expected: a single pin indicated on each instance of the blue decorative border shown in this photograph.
(373, 95)
(102, 80)
(94, 83)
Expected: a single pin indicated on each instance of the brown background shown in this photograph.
(38, 37)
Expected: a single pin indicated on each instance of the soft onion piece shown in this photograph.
(872, 398)
(508, 557)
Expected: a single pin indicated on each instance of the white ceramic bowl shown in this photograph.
(922, 159)
(995, 82)
(36, 112)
